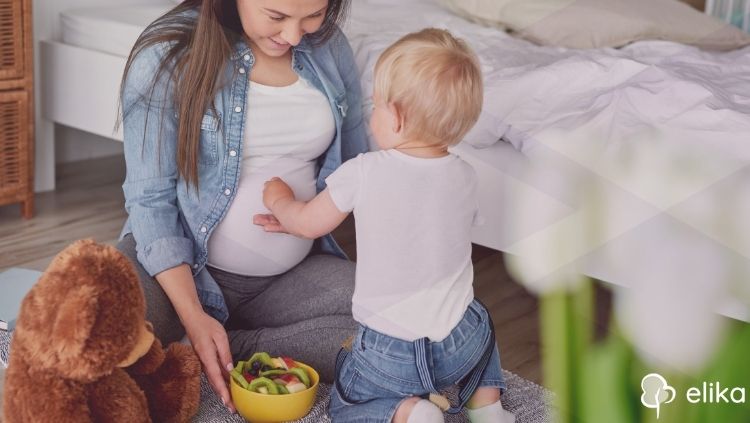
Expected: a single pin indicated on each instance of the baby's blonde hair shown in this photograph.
(435, 82)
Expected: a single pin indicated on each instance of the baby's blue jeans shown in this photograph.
(381, 371)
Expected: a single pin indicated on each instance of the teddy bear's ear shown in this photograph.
(82, 317)
(53, 333)
(73, 323)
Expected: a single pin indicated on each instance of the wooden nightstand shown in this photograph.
(16, 105)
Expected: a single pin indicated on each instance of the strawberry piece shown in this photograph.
(248, 377)
(286, 378)
(289, 362)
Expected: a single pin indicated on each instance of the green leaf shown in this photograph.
(605, 384)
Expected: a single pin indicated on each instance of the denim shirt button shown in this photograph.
(232, 153)
(238, 109)
(242, 70)
(227, 191)
(204, 229)
(196, 265)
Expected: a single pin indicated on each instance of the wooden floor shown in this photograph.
(88, 203)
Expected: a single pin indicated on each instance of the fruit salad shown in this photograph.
(273, 376)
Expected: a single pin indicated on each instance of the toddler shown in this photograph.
(420, 328)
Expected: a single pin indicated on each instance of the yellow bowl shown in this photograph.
(263, 408)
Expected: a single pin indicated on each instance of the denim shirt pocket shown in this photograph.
(209, 138)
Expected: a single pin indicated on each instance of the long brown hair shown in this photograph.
(198, 50)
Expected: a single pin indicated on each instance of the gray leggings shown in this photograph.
(305, 313)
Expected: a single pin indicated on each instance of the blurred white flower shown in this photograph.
(659, 216)
(549, 256)
(669, 310)
(674, 261)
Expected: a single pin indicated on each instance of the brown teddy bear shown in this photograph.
(83, 351)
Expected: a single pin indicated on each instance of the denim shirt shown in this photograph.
(171, 222)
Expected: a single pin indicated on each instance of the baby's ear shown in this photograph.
(397, 118)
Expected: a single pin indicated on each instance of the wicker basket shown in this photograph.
(16, 105)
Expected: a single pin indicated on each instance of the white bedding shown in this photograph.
(701, 97)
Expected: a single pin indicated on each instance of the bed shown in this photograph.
(80, 73)
(537, 100)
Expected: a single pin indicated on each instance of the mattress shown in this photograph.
(110, 30)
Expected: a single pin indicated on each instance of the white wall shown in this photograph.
(56, 142)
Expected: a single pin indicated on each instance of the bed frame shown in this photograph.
(92, 83)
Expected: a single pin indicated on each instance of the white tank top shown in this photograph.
(286, 130)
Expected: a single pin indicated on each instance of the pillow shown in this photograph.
(603, 23)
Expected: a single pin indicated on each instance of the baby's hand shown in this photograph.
(269, 223)
(274, 190)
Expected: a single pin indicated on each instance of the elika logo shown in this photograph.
(656, 391)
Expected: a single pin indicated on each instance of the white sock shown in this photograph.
(425, 412)
(493, 413)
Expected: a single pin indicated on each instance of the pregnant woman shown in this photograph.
(217, 97)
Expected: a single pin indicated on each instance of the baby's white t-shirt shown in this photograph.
(413, 221)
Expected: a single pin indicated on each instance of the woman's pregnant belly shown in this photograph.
(238, 246)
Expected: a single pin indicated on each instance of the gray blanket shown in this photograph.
(527, 400)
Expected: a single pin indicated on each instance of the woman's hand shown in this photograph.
(274, 190)
(209, 339)
(269, 223)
